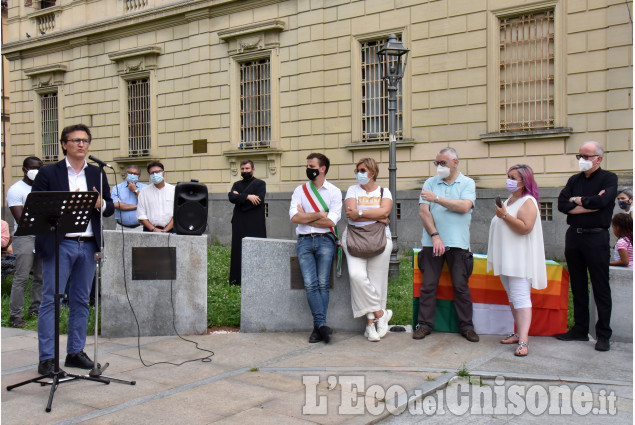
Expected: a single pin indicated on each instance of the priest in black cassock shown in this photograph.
(248, 197)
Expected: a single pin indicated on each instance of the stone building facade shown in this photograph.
(203, 84)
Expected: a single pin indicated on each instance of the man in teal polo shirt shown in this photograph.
(445, 208)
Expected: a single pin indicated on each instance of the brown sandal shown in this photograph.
(510, 339)
(522, 350)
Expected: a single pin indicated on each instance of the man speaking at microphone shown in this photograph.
(77, 250)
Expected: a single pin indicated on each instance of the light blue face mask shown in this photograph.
(156, 178)
(362, 178)
(132, 178)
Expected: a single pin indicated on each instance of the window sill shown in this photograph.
(137, 160)
(40, 12)
(356, 146)
(525, 136)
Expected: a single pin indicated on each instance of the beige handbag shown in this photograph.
(366, 241)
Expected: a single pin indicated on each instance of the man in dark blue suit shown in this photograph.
(77, 250)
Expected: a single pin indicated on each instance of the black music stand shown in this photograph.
(56, 213)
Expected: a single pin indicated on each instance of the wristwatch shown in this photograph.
(359, 212)
(136, 191)
(436, 199)
(434, 234)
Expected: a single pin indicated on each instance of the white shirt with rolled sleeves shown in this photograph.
(331, 195)
(156, 205)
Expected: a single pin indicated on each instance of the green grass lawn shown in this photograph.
(223, 299)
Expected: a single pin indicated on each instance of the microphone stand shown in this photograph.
(96, 370)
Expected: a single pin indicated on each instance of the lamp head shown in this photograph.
(393, 57)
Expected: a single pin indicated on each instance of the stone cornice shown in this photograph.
(271, 25)
(129, 24)
(39, 70)
(135, 51)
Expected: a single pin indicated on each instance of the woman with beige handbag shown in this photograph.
(367, 244)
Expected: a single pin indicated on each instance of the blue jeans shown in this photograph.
(315, 255)
(77, 268)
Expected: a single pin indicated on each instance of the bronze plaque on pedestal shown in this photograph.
(153, 263)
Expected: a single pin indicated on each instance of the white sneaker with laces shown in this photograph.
(371, 333)
(382, 323)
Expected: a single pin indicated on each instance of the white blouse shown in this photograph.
(512, 254)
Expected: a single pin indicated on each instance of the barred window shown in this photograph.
(546, 211)
(255, 104)
(527, 72)
(375, 97)
(138, 117)
(49, 121)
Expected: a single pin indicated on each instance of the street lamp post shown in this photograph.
(393, 57)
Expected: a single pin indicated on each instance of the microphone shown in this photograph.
(100, 162)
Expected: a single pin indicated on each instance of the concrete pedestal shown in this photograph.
(269, 305)
(159, 305)
(621, 281)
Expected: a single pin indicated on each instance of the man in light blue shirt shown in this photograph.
(125, 195)
(445, 208)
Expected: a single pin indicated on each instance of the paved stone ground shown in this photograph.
(280, 378)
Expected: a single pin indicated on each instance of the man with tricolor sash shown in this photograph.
(316, 207)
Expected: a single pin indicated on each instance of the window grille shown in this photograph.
(139, 117)
(546, 211)
(527, 72)
(255, 104)
(49, 122)
(375, 97)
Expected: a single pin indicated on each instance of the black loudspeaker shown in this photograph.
(190, 208)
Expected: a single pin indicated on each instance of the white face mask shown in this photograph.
(31, 174)
(585, 164)
(443, 172)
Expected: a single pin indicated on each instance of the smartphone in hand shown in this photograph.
(499, 204)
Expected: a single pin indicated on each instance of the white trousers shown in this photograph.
(368, 278)
(518, 290)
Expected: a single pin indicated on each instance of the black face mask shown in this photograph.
(246, 176)
(312, 173)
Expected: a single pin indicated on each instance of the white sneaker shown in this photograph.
(382, 323)
(371, 333)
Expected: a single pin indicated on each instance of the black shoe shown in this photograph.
(421, 332)
(572, 336)
(470, 335)
(17, 322)
(80, 360)
(326, 333)
(315, 336)
(603, 344)
(47, 367)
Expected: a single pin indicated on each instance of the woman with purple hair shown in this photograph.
(516, 250)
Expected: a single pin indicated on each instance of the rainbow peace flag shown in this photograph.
(491, 314)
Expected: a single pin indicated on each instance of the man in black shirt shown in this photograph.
(588, 200)
(248, 197)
